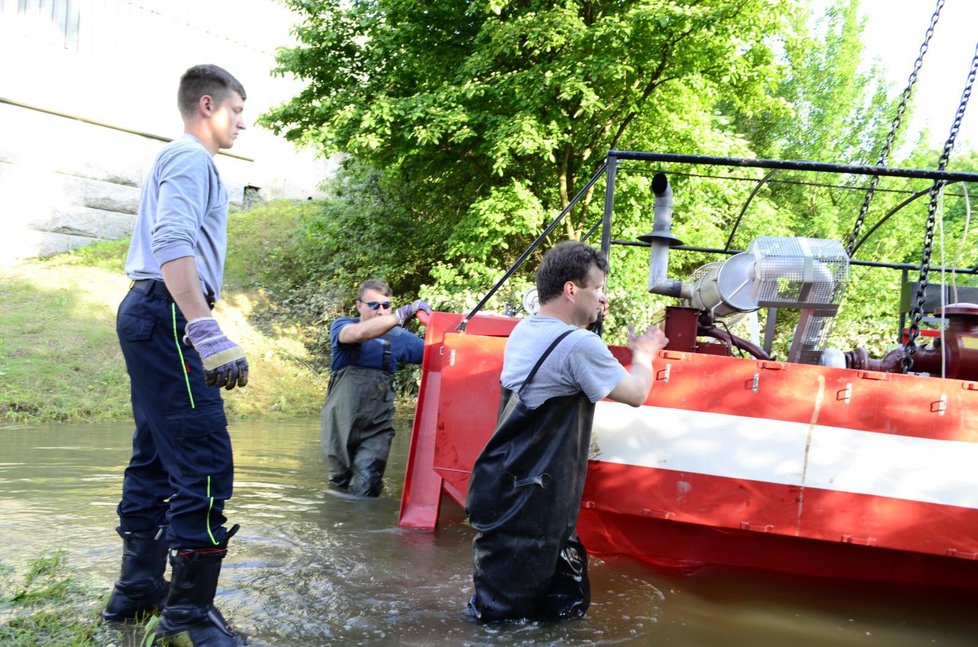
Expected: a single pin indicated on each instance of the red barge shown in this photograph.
(817, 465)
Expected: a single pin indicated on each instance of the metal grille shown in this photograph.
(705, 270)
(799, 272)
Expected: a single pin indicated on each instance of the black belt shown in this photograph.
(153, 286)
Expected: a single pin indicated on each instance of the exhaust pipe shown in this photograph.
(660, 240)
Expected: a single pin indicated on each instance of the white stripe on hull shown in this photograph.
(790, 453)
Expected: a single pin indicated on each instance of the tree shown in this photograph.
(476, 123)
(491, 114)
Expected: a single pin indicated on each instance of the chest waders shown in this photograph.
(357, 427)
(524, 497)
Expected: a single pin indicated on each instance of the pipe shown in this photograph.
(732, 340)
(662, 223)
(660, 240)
(796, 165)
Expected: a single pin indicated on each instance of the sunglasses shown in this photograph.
(373, 305)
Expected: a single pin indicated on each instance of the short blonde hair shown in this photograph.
(373, 284)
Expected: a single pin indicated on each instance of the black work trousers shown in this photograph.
(181, 470)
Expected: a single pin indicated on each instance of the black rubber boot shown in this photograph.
(189, 618)
(141, 588)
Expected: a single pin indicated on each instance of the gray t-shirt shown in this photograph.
(183, 211)
(580, 362)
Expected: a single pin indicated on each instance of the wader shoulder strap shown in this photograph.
(387, 353)
(384, 363)
(546, 353)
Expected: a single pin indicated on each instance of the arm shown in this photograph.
(225, 364)
(178, 224)
(634, 388)
(183, 284)
(365, 330)
(374, 327)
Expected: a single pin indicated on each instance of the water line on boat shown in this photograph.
(816, 411)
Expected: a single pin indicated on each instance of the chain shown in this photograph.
(894, 127)
(906, 362)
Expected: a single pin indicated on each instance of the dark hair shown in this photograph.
(373, 284)
(570, 260)
(203, 80)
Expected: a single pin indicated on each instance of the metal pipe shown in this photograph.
(611, 164)
(661, 239)
(732, 252)
(796, 165)
(662, 223)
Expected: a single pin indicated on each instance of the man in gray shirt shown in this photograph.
(527, 483)
(181, 470)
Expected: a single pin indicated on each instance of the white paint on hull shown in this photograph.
(773, 451)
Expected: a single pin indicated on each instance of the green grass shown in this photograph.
(46, 604)
(60, 358)
(264, 239)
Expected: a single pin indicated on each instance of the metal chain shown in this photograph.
(894, 127)
(906, 362)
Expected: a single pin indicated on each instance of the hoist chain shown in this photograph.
(894, 127)
(906, 362)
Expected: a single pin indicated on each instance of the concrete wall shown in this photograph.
(85, 107)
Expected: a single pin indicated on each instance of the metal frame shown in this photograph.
(609, 168)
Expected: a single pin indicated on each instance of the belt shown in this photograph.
(153, 286)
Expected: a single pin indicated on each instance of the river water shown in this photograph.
(312, 568)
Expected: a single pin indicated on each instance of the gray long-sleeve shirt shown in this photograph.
(183, 211)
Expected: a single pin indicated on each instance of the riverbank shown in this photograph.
(60, 359)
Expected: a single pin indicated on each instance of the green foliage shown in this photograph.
(48, 605)
(482, 236)
(828, 111)
(484, 118)
(470, 126)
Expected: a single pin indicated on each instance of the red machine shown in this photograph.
(802, 466)
(806, 469)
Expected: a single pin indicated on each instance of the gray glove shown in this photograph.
(224, 361)
(406, 312)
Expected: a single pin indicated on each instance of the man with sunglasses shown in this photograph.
(357, 417)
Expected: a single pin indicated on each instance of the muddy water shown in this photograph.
(311, 568)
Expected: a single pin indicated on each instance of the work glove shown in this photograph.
(224, 361)
(406, 312)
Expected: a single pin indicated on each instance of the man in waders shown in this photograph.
(357, 417)
(181, 469)
(527, 483)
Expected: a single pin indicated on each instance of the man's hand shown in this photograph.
(650, 342)
(634, 388)
(406, 312)
(225, 363)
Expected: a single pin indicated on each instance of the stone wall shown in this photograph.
(80, 182)
(82, 119)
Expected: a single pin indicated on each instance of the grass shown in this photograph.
(59, 355)
(46, 604)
